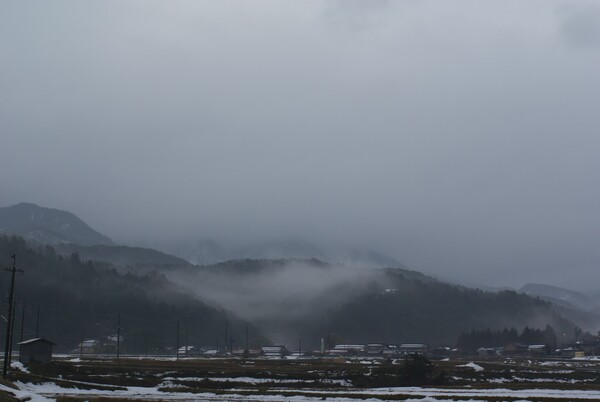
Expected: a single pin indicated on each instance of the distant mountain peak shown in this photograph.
(48, 225)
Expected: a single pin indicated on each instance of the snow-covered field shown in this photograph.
(310, 380)
(49, 391)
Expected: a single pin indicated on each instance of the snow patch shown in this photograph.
(19, 366)
(472, 365)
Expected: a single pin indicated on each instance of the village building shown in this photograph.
(348, 350)
(210, 351)
(391, 350)
(516, 349)
(187, 351)
(89, 347)
(375, 349)
(412, 348)
(539, 350)
(570, 352)
(273, 352)
(36, 350)
(486, 352)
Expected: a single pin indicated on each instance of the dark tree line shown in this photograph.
(471, 341)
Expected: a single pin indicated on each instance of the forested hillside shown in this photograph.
(80, 299)
(311, 299)
(433, 312)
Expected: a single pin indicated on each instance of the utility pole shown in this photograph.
(12, 333)
(11, 297)
(246, 348)
(177, 342)
(80, 343)
(299, 347)
(226, 341)
(118, 335)
(187, 341)
(22, 321)
(37, 323)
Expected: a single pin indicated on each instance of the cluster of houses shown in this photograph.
(40, 350)
(281, 352)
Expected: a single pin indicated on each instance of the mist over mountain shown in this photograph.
(208, 251)
(139, 257)
(48, 225)
(289, 288)
(309, 298)
(563, 297)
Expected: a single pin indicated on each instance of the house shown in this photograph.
(484, 352)
(570, 352)
(588, 347)
(375, 349)
(89, 347)
(390, 350)
(412, 348)
(348, 350)
(209, 352)
(539, 350)
(441, 352)
(36, 350)
(273, 352)
(516, 349)
(187, 351)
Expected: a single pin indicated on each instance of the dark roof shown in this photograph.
(28, 341)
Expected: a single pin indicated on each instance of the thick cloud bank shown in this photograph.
(459, 138)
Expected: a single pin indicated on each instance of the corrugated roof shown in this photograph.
(35, 340)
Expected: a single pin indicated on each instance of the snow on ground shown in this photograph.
(25, 395)
(43, 392)
(472, 365)
(51, 390)
(169, 381)
(538, 380)
(592, 358)
(19, 366)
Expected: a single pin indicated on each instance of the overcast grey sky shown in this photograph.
(461, 137)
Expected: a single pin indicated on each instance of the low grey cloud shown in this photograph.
(580, 24)
(459, 138)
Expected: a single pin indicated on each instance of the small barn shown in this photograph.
(36, 350)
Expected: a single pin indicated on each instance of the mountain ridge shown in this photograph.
(48, 225)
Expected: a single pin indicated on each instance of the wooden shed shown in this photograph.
(36, 350)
